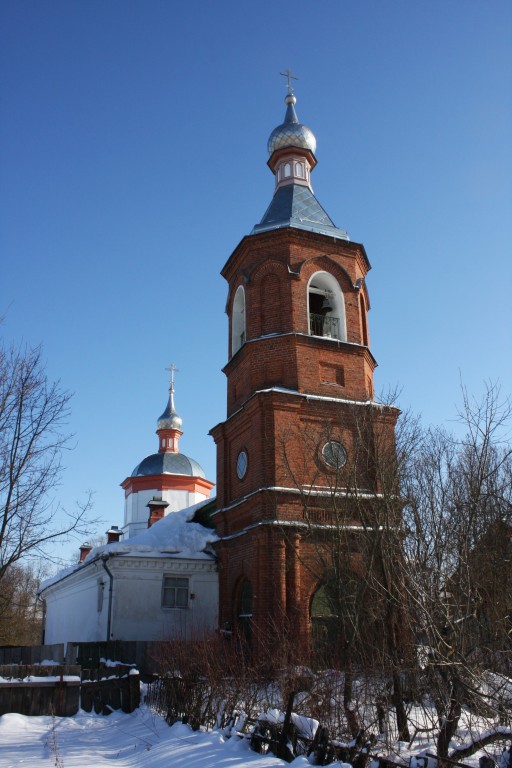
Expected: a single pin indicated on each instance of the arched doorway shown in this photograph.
(335, 619)
(324, 623)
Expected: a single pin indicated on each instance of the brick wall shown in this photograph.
(265, 533)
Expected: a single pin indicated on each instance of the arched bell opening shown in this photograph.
(326, 307)
(238, 320)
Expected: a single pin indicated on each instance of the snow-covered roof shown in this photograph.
(174, 536)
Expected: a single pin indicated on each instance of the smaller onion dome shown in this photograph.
(169, 418)
(291, 133)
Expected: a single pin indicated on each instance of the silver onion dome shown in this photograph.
(291, 133)
(169, 418)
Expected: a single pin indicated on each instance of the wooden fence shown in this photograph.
(24, 689)
(33, 654)
(145, 655)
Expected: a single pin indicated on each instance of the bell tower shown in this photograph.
(299, 367)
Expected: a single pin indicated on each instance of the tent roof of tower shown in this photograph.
(294, 205)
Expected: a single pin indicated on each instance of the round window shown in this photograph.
(241, 464)
(334, 454)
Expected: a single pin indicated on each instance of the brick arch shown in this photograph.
(267, 296)
(328, 264)
(350, 291)
(232, 293)
(365, 293)
(267, 266)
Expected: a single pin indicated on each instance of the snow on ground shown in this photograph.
(138, 740)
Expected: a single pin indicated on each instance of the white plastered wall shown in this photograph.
(138, 613)
(136, 512)
(72, 613)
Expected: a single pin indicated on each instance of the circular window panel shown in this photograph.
(334, 454)
(241, 464)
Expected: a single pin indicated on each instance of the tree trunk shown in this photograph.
(349, 706)
(401, 715)
(449, 724)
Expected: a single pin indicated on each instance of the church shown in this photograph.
(300, 370)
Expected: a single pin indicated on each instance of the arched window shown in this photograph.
(238, 320)
(334, 617)
(287, 170)
(244, 613)
(326, 307)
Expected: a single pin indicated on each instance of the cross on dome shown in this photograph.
(288, 74)
(170, 418)
(173, 369)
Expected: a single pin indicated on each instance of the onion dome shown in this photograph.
(169, 418)
(291, 133)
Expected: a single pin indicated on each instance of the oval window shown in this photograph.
(334, 454)
(241, 465)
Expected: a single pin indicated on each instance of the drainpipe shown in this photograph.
(104, 559)
(39, 599)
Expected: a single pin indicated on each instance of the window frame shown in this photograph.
(176, 589)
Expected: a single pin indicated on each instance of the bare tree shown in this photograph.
(411, 541)
(458, 525)
(20, 612)
(33, 415)
(352, 545)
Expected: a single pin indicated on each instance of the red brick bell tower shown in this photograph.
(299, 364)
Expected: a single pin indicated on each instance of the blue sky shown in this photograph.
(133, 156)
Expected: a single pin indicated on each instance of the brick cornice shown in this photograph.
(304, 339)
(264, 242)
(286, 396)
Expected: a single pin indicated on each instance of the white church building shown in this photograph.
(160, 580)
